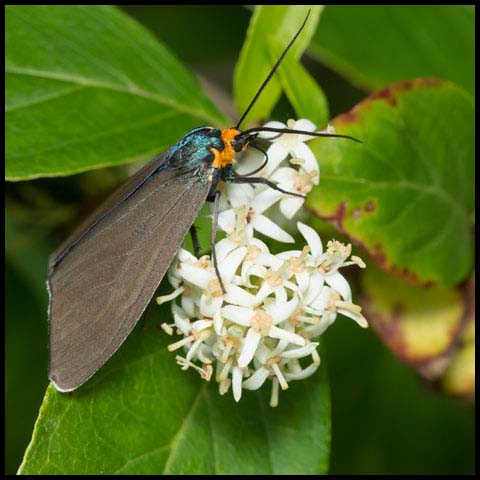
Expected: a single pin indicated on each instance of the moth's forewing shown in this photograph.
(103, 277)
(113, 201)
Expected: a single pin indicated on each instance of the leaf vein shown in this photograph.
(44, 99)
(432, 189)
(174, 443)
(131, 90)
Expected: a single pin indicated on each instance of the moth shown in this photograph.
(104, 275)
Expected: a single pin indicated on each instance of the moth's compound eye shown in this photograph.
(238, 143)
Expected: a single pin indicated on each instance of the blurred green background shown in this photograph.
(384, 420)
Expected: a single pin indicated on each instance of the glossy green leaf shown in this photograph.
(406, 194)
(375, 45)
(87, 87)
(303, 92)
(141, 414)
(280, 22)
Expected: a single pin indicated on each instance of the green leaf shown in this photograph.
(220, 39)
(406, 194)
(375, 45)
(384, 419)
(27, 247)
(280, 22)
(419, 325)
(87, 87)
(303, 92)
(141, 414)
(26, 363)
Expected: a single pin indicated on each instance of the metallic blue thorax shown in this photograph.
(193, 152)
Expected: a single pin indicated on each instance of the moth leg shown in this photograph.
(195, 242)
(264, 181)
(213, 237)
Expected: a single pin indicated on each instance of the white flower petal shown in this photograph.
(276, 332)
(255, 381)
(223, 203)
(239, 296)
(210, 305)
(249, 346)
(305, 125)
(218, 322)
(223, 248)
(249, 162)
(277, 153)
(266, 260)
(358, 317)
(193, 350)
(196, 275)
(261, 245)
(329, 317)
(300, 352)
(272, 124)
(315, 287)
(181, 320)
(249, 270)
(284, 175)
(264, 291)
(188, 305)
(200, 325)
(281, 311)
(290, 205)
(249, 231)
(337, 281)
(303, 281)
(240, 194)
(185, 256)
(321, 302)
(240, 315)
(305, 373)
(317, 330)
(264, 225)
(173, 276)
(237, 376)
(230, 264)
(312, 238)
(227, 220)
(287, 255)
(310, 163)
(281, 346)
(262, 354)
(274, 262)
(280, 296)
(264, 200)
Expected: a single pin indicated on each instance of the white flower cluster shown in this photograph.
(275, 305)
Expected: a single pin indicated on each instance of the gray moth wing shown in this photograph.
(114, 200)
(103, 277)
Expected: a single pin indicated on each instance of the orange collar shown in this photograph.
(225, 157)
